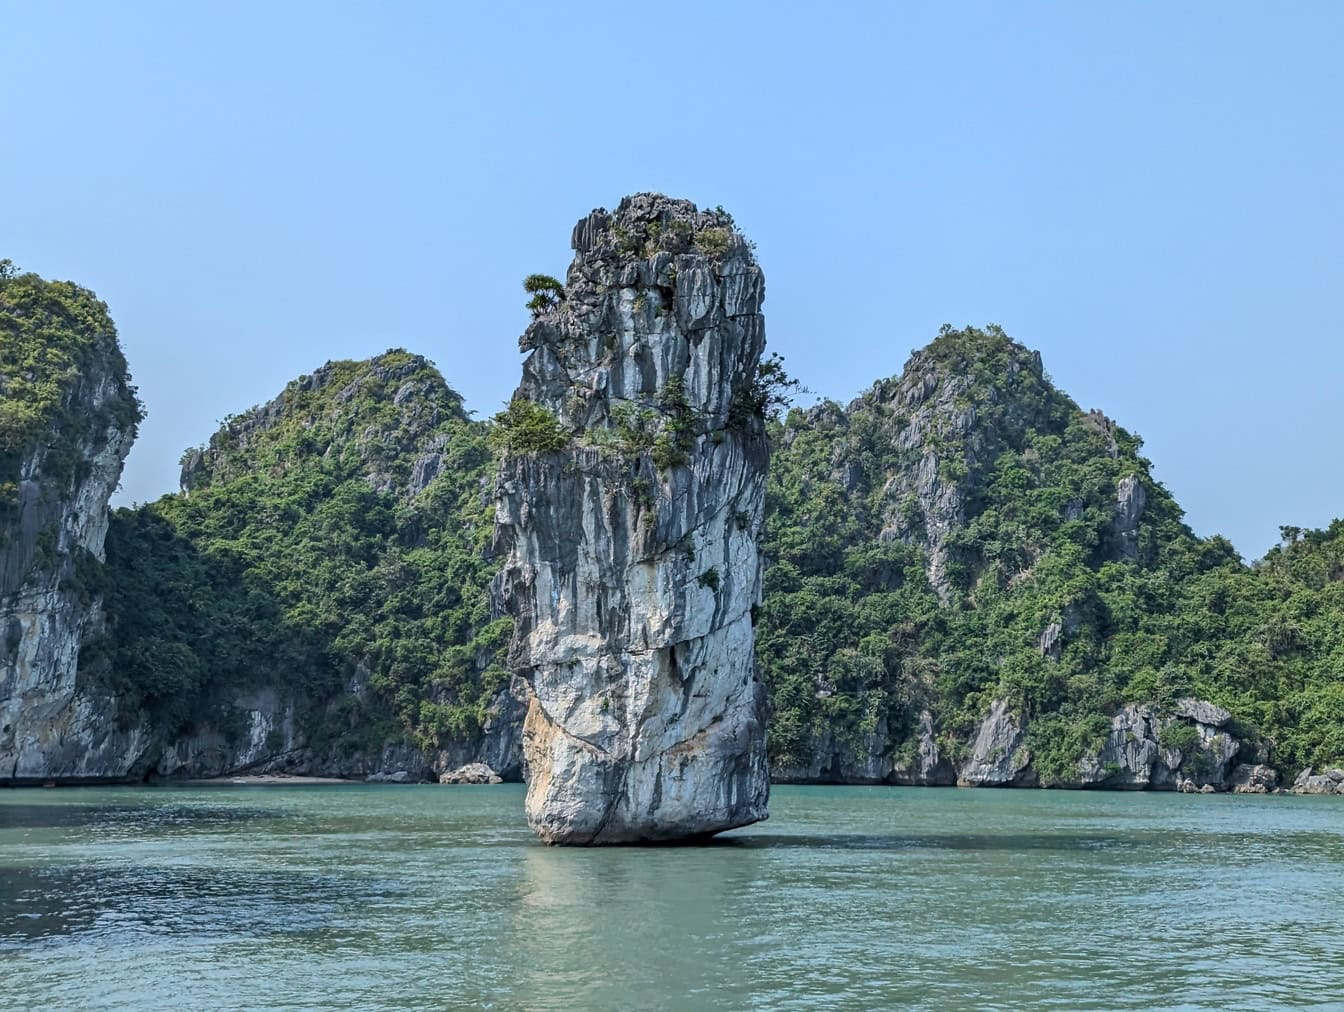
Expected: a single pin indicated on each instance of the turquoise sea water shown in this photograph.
(426, 897)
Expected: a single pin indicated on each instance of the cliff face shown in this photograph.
(315, 601)
(69, 417)
(629, 503)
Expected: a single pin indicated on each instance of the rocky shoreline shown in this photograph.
(1242, 779)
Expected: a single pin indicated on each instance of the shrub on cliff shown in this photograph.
(527, 427)
(547, 293)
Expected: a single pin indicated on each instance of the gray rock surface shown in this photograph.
(1202, 712)
(930, 768)
(274, 741)
(1132, 756)
(1130, 498)
(999, 756)
(632, 584)
(395, 777)
(1254, 778)
(1051, 643)
(1329, 781)
(834, 760)
(931, 424)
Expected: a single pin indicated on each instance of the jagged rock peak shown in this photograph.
(385, 411)
(629, 504)
(944, 423)
(647, 283)
(959, 402)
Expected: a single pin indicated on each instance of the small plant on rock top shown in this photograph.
(713, 241)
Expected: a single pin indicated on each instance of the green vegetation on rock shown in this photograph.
(965, 533)
(959, 534)
(53, 336)
(547, 293)
(527, 427)
(331, 545)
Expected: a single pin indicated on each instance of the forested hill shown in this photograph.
(964, 534)
(323, 567)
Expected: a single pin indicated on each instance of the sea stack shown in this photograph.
(629, 504)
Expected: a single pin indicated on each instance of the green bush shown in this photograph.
(1059, 741)
(527, 427)
(547, 293)
(1179, 737)
(713, 242)
(52, 335)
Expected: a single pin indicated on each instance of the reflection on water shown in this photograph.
(945, 841)
(428, 898)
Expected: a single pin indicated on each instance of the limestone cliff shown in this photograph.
(68, 418)
(629, 504)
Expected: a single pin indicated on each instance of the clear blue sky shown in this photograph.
(1151, 194)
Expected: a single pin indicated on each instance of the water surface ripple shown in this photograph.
(420, 897)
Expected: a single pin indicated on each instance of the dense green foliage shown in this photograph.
(1268, 643)
(853, 639)
(53, 336)
(527, 427)
(314, 550)
(301, 557)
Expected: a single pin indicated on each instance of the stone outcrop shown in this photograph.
(1253, 778)
(929, 767)
(472, 773)
(1132, 757)
(1328, 781)
(1148, 747)
(632, 566)
(1185, 747)
(932, 428)
(999, 756)
(1130, 499)
(833, 760)
(53, 521)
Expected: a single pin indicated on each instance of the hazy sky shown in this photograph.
(1150, 194)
